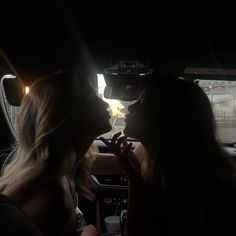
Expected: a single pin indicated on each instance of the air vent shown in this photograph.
(110, 180)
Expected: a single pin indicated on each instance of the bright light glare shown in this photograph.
(27, 89)
(114, 104)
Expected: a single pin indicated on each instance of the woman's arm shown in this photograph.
(138, 222)
(142, 157)
(89, 230)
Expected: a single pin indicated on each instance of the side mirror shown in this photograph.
(11, 94)
(13, 90)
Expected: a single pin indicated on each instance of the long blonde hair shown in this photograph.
(46, 130)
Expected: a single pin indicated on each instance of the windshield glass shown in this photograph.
(118, 109)
(222, 95)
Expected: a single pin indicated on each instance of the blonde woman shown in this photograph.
(60, 118)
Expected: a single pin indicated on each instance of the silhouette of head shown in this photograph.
(62, 105)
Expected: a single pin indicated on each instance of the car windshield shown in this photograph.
(222, 95)
(118, 109)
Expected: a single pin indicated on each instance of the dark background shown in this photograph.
(38, 37)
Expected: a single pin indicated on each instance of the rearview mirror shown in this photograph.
(124, 80)
(122, 92)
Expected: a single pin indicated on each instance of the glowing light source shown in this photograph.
(27, 89)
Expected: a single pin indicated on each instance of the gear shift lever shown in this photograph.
(123, 218)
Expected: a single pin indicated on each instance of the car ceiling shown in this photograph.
(39, 37)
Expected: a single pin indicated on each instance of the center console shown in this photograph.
(112, 201)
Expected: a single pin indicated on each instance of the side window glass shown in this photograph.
(222, 95)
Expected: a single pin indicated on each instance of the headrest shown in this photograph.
(13, 90)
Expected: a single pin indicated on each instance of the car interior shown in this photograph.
(123, 45)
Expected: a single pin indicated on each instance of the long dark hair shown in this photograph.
(184, 141)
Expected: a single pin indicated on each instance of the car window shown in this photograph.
(117, 109)
(222, 95)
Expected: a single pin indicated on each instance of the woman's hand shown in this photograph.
(137, 222)
(122, 149)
